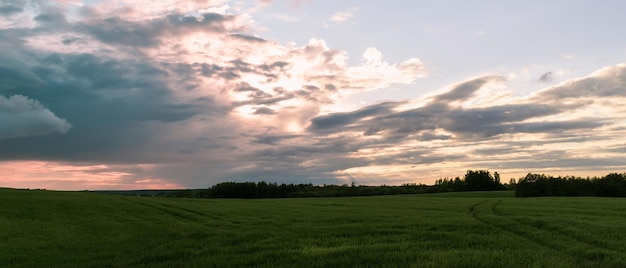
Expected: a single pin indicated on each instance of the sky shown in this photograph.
(163, 94)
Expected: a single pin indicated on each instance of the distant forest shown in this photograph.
(611, 185)
(479, 180)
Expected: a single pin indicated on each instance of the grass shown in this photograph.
(79, 229)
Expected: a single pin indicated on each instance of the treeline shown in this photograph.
(474, 180)
(611, 185)
(480, 180)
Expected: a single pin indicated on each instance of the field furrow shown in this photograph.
(549, 236)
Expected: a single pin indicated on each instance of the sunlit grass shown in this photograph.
(76, 229)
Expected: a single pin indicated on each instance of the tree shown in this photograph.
(481, 180)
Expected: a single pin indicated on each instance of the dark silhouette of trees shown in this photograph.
(272, 190)
(613, 184)
(474, 180)
(481, 180)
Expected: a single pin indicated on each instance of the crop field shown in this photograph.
(475, 229)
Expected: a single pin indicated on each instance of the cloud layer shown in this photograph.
(185, 94)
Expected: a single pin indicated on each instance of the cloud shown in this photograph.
(264, 110)
(149, 33)
(113, 106)
(546, 77)
(393, 138)
(466, 89)
(606, 82)
(335, 120)
(80, 176)
(340, 17)
(186, 90)
(272, 139)
(52, 17)
(8, 10)
(186, 93)
(22, 117)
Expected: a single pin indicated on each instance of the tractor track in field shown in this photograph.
(185, 209)
(188, 215)
(587, 241)
(509, 230)
(175, 212)
(507, 224)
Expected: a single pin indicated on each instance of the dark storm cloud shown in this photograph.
(483, 122)
(437, 114)
(116, 30)
(491, 121)
(111, 105)
(464, 123)
(272, 139)
(338, 121)
(51, 17)
(8, 10)
(11, 7)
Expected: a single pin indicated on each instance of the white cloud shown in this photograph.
(372, 56)
(342, 16)
(21, 117)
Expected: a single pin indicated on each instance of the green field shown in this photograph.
(488, 229)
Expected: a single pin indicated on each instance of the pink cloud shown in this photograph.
(69, 176)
